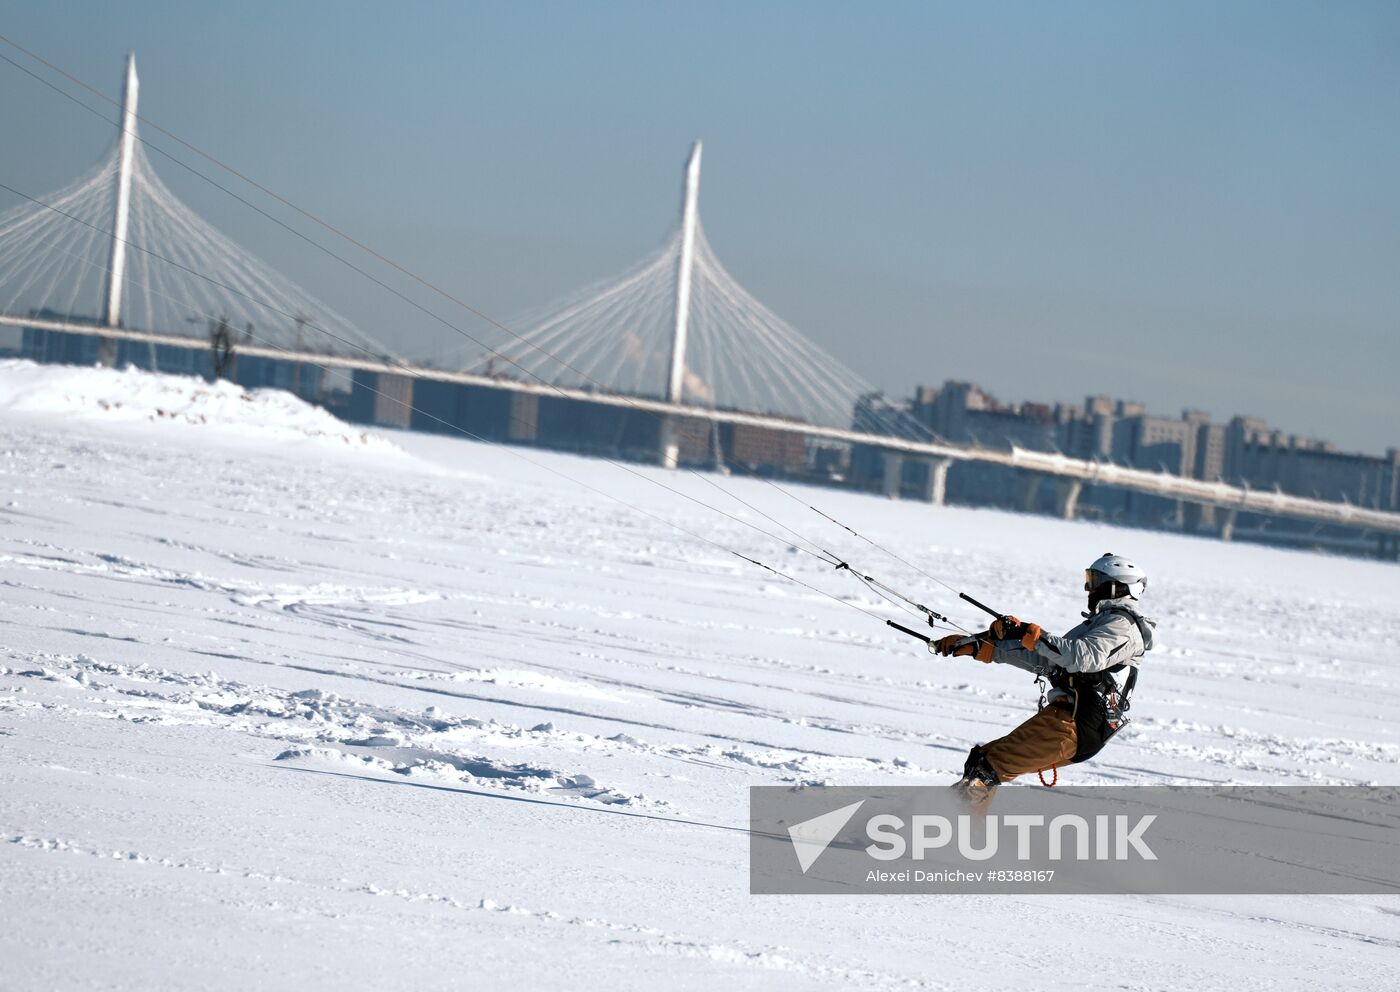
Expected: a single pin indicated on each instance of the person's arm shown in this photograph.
(1014, 643)
(1013, 654)
(1102, 646)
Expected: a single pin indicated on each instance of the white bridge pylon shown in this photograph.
(678, 327)
(685, 270)
(101, 252)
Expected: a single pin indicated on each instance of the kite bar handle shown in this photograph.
(912, 633)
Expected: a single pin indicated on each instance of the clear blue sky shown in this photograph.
(1188, 204)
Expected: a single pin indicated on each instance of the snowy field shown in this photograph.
(287, 705)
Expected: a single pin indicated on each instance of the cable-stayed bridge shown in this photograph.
(679, 327)
(117, 256)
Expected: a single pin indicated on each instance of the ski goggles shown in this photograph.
(1093, 578)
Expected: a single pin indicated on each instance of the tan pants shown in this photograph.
(1046, 739)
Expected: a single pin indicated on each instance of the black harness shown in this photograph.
(1100, 704)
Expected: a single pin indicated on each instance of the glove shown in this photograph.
(1011, 629)
(958, 645)
(945, 645)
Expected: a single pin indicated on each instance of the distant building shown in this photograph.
(1244, 452)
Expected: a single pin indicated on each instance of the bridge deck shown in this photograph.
(1188, 490)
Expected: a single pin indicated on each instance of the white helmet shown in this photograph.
(1111, 568)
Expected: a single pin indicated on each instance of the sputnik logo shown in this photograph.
(811, 837)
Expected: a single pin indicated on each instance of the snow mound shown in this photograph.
(133, 395)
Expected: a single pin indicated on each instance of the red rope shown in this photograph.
(1054, 776)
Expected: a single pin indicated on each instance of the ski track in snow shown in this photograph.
(266, 676)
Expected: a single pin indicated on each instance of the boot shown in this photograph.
(979, 782)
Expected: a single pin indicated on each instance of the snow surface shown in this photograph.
(284, 704)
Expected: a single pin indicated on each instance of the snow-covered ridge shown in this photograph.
(183, 402)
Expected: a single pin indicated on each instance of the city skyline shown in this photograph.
(1030, 324)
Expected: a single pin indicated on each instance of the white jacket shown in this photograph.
(1116, 633)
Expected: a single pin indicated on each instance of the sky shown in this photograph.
(1191, 205)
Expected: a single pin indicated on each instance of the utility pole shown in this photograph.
(116, 268)
(675, 383)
